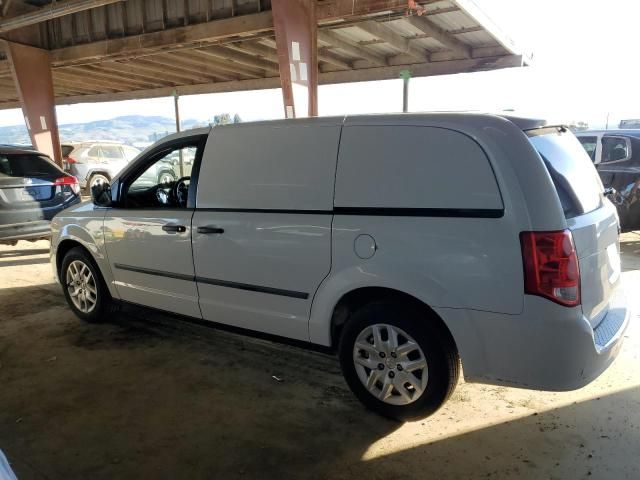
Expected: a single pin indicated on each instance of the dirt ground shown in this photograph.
(150, 397)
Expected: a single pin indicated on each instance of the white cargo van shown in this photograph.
(405, 243)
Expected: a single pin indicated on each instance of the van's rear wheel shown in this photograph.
(397, 361)
(84, 288)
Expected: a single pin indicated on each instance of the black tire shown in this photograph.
(105, 306)
(441, 355)
(96, 176)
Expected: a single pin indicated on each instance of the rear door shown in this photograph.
(262, 225)
(590, 216)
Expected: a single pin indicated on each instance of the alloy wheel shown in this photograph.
(390, 364)
(81, 286)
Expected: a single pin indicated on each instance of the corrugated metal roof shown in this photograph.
(449, 31)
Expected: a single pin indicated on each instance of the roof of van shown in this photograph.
(521, 122)
(187, 133)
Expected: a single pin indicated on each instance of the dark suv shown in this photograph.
(32, 190)
(616, 155)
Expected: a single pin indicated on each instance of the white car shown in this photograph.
(405, 243)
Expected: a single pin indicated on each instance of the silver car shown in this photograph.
(93, 163)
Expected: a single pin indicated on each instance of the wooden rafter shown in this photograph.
(352, 48)
(438, 33)
(397, 41)
(242, 58)
(132, 46)
(183, 62)
(204, 56)
(191, 75)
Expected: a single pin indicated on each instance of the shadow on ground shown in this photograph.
(14, 258)
(152, 397)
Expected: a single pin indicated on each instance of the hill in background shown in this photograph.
(138, 130)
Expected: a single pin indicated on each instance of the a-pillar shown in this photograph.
(296, 28)
(31, 69)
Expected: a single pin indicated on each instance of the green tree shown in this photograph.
(225, 119)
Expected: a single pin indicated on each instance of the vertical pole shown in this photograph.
(176, 108)
(296, 28)
(176, 97)
(406, 76)
(31, 70)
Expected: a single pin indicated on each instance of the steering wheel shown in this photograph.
(181, 191)
(162, 196)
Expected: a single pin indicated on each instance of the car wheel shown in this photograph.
(97, 179)
(166, 178)
(397, 361)
(84, 287)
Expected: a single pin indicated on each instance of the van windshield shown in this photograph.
(574, 176)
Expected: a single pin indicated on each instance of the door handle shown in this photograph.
(174, 228)
(210, 229)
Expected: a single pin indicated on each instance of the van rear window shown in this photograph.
(574, 176)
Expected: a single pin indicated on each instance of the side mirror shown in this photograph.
(101, 194)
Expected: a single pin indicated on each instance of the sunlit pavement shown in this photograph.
(156, 398)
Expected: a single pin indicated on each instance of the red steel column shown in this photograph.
(296, 28)
(31, 69)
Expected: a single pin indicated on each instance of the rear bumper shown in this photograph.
(25, 231)
(25, 224)
(549, 348)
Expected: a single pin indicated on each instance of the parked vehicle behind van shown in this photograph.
(93, 163)
(616, 155)
(408, 244)
(32, 190)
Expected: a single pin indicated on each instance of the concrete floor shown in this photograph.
(157, 398)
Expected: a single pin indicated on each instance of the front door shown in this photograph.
(148, 237)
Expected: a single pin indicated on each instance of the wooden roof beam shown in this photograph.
(353, 48)
(255, 48)
(271, 54)
(235, 69)
(79, 76)
(98, 71)
(427, 27)
(192, 75)
(89, 75)
(326, 56)
(159, 71)
(242, 58)
(365, 74)
(198, 66)
(125, 69)
(72, 80)
(384, 32)
(132, 46)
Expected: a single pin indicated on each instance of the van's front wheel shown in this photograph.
(396, 361)
(84, 288)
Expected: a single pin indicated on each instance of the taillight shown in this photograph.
(71, 160)
(70, 181)
(551, 266)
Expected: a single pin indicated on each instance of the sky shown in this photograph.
(584, 68)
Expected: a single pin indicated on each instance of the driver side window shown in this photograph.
(164, 183)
